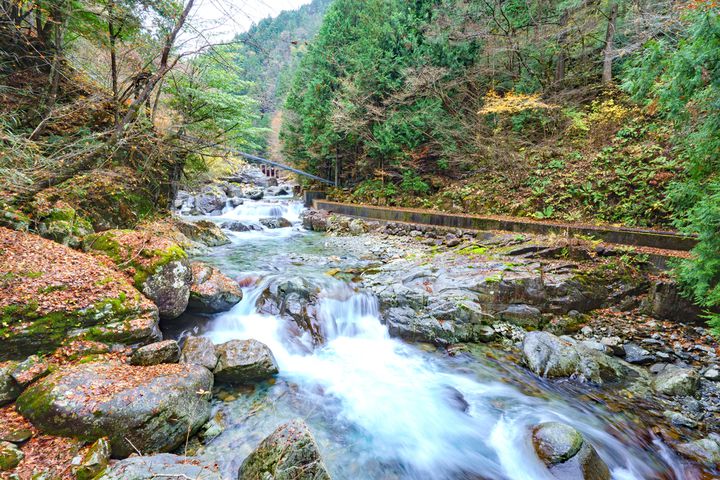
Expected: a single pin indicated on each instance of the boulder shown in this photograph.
(293, 298)
(522, 316)
(202, 231)
(169, 288)
(151, 409)
(676, 381)
(199, 351)
(251, 175)
(158, 266)
(10, 456)
(211, 290)
(167, 351)
(244, 361)
(315, 220)
(53, 290)
(634, 353)
(276, 222)
(255, 194)
(237, 226)
(210, 199)
(95, 460)
(551, 356)
(164, 465)
(290, 452)
(567, 454)
(62, 224)
(705, 451)
(9, 388)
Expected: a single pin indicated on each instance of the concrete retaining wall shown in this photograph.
(618, 235)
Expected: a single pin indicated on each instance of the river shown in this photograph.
(381, 408)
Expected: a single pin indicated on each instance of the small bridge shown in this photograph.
(268, 166)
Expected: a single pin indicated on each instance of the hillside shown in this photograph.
(269, 55)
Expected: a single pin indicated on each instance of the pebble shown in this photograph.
(636, 354)
(712, 373)
(586, 330)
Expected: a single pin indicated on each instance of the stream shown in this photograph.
(381, 408)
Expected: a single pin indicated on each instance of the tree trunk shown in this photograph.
(113, 62)
(608, 50)
(562, 40)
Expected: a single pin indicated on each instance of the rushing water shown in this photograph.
(384, 409)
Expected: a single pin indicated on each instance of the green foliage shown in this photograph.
(682, 76)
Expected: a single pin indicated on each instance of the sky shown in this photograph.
(225, 18)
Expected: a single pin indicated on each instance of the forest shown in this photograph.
(359, 239)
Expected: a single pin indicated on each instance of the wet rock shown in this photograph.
(10, 456)
(705, 451)
(244, 361)
(169, 288)
(290, 452)
(199, 351)
(293, 298)
(9, 388)
(567, 454)
(95, 460)
(212, 291)
(252, 175)
(276, 222)
(676, 381)
(167, 351)
(202, 231)
(255, 194)
(162, 466)
(151, 409)
(634, 353)
(236, 226)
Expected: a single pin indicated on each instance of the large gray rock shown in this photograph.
(289, 453)
(169, 288)
(212, 291)
(567, 454)
(244, 361)
(151, 409)
(199, 351)
(665, 301)
(164, 465)
(167, 351)
(294, 298)
(237, 226)
(551, 356)
(9, 388)
(676, 381)
(211, 199)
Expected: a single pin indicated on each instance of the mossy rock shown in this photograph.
(152, 409)
(63, 225)
(48, 290)
(13, 218)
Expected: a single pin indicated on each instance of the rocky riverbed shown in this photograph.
(255, 343)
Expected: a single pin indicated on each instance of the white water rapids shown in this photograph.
(392, 409)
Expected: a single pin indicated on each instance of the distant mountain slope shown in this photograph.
(273, 49)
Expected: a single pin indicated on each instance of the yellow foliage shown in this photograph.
(512, 103)
(607, 112)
